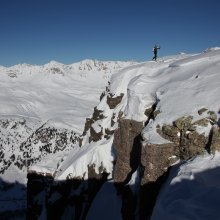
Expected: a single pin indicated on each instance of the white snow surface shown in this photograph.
(192, 191)
(97, 153)
(63, 95)
(180, 85)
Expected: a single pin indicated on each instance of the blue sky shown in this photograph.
(37, 31)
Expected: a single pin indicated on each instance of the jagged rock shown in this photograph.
(215, 139)
(114, 101)
(183, 134)
(202, 122)
(202, 110)
(97, 114)
(184, 123)
(169, 132)
(108, 133)
(92, 174)
(101, 96)
(127, 145)
(127, 142)
(95, 136)
(88, 124)
(148, 112)
(156, 159)
(192, 144)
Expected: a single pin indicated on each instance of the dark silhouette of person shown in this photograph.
(155, 52)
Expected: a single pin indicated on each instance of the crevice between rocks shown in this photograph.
(137, 205)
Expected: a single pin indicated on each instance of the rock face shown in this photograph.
(128, 155)
(214, 139)
(114, 101)
(128, 148)
(155, 160)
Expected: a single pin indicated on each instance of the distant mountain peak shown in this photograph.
(54, 63)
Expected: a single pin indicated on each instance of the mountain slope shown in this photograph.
(178, 86)
(151, 115)
(45, 92)
(43, 110)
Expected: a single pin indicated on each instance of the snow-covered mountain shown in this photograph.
(110, 138)
(43, 111)
(180, 87)
(151, 115)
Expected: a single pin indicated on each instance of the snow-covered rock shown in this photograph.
(178, 87)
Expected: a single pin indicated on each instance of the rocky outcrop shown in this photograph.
(128, 155)
(55, 70)
(214, 139)
(183, 132)
(128, 149)
(154, 160)
(93, 134)
(114, 101)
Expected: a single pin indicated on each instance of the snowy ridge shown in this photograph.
(180, 86)
(105, 67)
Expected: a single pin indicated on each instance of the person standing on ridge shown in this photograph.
(155, 52)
